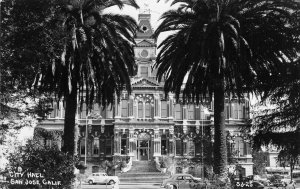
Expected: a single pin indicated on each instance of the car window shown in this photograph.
(188, 178)
(97, 175)
(179, 178)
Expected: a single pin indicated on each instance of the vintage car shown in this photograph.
(102, 178)
(257, 185)
(182, 181)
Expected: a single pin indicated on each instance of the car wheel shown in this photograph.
(111, 182)
(91, 182)
(174, 187)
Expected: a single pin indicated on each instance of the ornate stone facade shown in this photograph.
(147, 125)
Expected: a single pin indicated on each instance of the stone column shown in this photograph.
(184, 146)
(144, 109)
(171, 140)
(157, 141)
(171, 106)
(131, 141)
(135, 108)
(159, 108)
(130, 107)
(117, 144)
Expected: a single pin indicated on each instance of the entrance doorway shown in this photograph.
(143, 146)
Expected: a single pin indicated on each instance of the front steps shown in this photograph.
(142, 172)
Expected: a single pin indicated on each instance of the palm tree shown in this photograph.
(223, 46)
(95, 58)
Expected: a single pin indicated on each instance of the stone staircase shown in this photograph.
(142, 172)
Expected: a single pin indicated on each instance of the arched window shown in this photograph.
(140, 110)
(147, 110)
(96, 146)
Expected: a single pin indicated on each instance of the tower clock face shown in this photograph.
(144, 28)
(144, 53)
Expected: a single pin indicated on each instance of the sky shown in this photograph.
(156, 9)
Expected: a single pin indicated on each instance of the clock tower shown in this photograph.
(145, 49)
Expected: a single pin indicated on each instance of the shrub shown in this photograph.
(50, 162)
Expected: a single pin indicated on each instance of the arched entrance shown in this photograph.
(143, 146)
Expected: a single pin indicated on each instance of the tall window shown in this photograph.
(190, 147)
(239, 146)
(144, 71)
(140, 110)
(96, 146)
(164, 109)
(83, 111)
(179, 148)
(178, 113)
(227, 110)
(108, 146)
(164, 145)
(241, 110)
(191, 112)
(147, 110)
(238, 110)
(82, 147)
(124, 144)
(124, 108)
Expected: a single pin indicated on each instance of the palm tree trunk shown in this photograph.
(69, 127)
(220, 149)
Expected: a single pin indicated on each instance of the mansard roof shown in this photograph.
(144, 82)
(145, 43)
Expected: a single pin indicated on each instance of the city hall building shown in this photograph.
(148, 125)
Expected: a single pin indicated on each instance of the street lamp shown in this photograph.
(205, 112)
(86, 137)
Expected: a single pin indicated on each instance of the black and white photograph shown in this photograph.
(149, 94)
